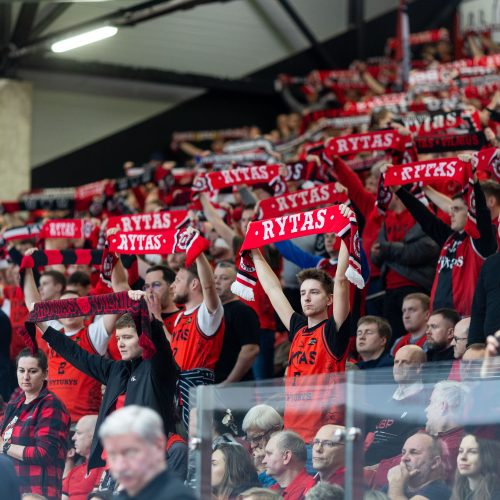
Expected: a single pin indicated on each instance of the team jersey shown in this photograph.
(197, 338)
(321, 352)
(406, 340)
(169, 319)
(80, 393)
(456, 275)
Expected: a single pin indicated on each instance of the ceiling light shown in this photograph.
(84, 39)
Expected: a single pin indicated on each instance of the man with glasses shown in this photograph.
(328, 454)
(159, 280)
(460, 336)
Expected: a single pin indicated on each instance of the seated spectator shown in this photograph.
(35, 428)
(478, 470)
(232, 471)
(285, 461)
(415, 315)
(325, 491)
(328, 455)
(372, 338)
(403, 413)
(259, 424)
(420, 473)
(142, 473)
(444, 421)
(459, 343)
(80, 482)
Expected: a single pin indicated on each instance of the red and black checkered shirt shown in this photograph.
(42, 427)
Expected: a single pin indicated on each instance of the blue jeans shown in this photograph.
(263, 368)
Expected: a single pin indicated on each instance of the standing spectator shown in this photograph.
(232, 471)
(35, 427)
(415, 316)
(132, 380)
(485, 319)
(478, 470)
(52, 284)
(328, 455)
(420, 473)
(285, 461)
(198, 332)
(372, 338)
(319, 342)
(461, 256)
(79, 483)
(159, 279)
(240, 347)
(143, 474)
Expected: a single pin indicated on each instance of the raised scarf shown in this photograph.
(185, 240)
(149, 221)
(300, 201)
(265, 232)
(449, 142)
(360, 143)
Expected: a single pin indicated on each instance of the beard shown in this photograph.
(180, 299)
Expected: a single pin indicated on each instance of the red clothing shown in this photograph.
(80, 393)
(262, 307)
(42, 426)
(298, 488)
(79, 483)
(405, 340)
(337, 477)
(17, 315)
(191, 347)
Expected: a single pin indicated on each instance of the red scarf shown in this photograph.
(67, 228)
(186, 240)
(300, 201)
(235, 177)
(152, 221)
(265, 232)
(359, 143)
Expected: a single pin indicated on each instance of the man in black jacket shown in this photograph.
(133, 380)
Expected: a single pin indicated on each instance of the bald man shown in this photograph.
(403, 413)
(78, 483)
(461, 335)
(328, 454)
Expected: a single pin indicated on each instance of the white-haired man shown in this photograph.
(134, 441)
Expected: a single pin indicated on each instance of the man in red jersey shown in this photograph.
(198, 332)
(319, 344)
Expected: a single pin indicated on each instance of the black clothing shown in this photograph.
(241, 328)
(5, 364)
(150, 382)
(433, 373)
(10, 482)
(164, 486)
(384, 360)
(485, 319)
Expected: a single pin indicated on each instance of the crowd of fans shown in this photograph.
(124, 331)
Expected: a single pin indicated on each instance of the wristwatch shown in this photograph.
(6, 447)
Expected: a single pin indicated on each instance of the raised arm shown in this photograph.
(272, 286)
(222, 229)
(439, 199)
(341, 306)
(206, 274)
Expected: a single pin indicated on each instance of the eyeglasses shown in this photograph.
(155, 286)
(326, 443)
(257, 439)
(456, 339)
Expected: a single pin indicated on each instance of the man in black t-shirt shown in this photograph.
(241, 340)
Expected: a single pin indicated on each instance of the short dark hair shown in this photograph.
(58, 277)
(491, 188)
(449, 314)
(319, 275)
(383, 326)
(125, 321)
(79, 278)
(167, 274)
(423, 298)
(39, 355)
(193, 271)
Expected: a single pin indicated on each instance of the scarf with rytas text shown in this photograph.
(300, 201)
(185, 240)
(359, 143)
(112, 303)
(265, 232)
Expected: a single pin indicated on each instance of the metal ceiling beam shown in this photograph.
(124, 73)
(299, 22)
(48, 17)
(129, 16)
(24, 23)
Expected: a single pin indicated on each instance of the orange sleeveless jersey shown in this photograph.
(80, 393)
(318, 399)
(191, 347)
